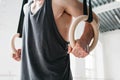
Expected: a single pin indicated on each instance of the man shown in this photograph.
(45, 39)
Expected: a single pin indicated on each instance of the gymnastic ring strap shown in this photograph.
(73, 26)
(21, 20)
(85, 10)
(13, 42)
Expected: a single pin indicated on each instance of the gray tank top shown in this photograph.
(44, 51)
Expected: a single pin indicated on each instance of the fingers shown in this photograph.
(17, 55)
(80, 52)
(69, 48)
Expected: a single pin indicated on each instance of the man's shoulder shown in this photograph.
(58, 2)
(66, 2)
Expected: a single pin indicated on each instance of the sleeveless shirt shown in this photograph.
(44, 51)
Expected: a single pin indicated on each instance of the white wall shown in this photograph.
(9, 14)
(111, 48)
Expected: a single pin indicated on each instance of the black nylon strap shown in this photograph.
(85, 12)
(20, 25)
(90, 16)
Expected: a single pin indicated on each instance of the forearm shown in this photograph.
(88, 33)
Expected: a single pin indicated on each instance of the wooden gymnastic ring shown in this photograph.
(13, 42)
(73, 26)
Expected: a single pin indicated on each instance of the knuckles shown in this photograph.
(17, 55)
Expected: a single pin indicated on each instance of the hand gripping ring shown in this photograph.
(73, 26)
(13, 42)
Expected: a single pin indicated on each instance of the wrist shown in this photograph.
(86, 38)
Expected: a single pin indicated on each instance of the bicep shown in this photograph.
(74, 7)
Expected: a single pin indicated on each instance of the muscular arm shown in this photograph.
(75, 9)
